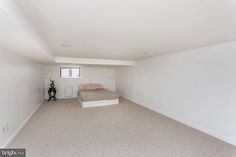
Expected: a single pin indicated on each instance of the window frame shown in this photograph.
(70, 73)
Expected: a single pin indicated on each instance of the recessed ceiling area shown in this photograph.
(125, 29)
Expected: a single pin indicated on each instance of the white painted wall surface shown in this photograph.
(90, 74)
(22, 91)
(196, 87)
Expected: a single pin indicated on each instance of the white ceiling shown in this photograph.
(18, 36)
(124, 29)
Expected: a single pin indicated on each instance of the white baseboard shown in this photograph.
(199, 128)
(13, 135)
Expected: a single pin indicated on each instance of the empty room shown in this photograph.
(117, 78)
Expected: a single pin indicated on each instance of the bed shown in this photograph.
(92, 95)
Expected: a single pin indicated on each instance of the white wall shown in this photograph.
(21, 91)
(90, 74)
(196, 87)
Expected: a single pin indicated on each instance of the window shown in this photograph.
(70, 72)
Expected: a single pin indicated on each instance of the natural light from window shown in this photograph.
(70, 72)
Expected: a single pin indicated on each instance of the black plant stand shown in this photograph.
(52, 93)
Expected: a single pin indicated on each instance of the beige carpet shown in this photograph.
(64, 129)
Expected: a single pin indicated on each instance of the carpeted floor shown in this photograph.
(64, 129)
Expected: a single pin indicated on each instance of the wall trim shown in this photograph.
(92, 61)
(199, 128)
(20, 127)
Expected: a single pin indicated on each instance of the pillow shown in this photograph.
(90, 86)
